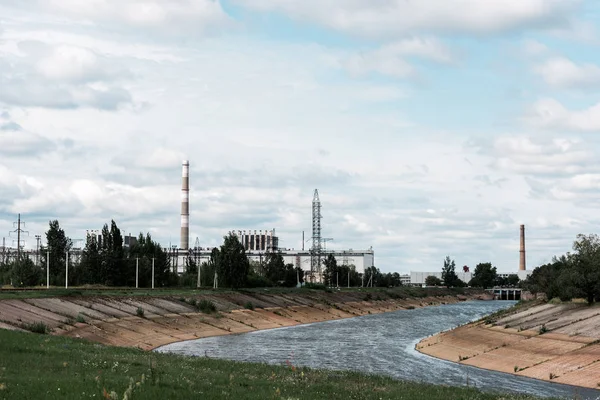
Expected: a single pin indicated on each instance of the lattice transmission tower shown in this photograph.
(316, 250)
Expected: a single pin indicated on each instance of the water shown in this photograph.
(381, 343)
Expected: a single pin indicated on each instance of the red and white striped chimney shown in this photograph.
(185, 206)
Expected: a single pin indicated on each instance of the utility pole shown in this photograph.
(137, 266)
(47, 270)
(18, 231)
(38, 238)
(152, 272)
(67, 271)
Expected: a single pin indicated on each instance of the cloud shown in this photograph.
(563, 73)
(173, 17)
(390, 58)
(540, 157)
(61, 77)
(17, 142)
(534, 48)
(391, 18)
(548, 113)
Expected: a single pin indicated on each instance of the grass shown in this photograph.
(182, 293)
(66, 368)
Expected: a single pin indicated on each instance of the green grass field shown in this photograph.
(37, 366)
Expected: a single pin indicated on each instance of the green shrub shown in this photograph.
(316, 286)
(36, 327)
(80, 318)
(543, 329)
(207, 306)
(140, 312)
(249, 305)
(368, 297)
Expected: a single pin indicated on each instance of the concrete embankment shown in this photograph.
(118, 321)
(552, 342)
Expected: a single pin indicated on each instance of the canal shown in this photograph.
(382, 344)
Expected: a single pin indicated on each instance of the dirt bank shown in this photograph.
(117, 321)
(558, 343)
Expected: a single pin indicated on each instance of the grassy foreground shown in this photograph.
(36, 366)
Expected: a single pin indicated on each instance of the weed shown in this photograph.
(140, 312)
(543, 329)
(249, 305)
(80, 318)
(207, 306)
(516, 368)
(36, 327)
(368, 297)
(410, 307)
(552, 376)
(193, 302)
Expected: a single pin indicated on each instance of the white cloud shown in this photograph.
(390, 58)
(391, 18)
(550, 114)
(174, 16)
(561, 72)
(534, 48)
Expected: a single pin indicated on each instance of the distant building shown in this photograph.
(405, 279)
(253, 241)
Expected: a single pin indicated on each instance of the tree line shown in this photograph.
(484, 276)
(572, 275)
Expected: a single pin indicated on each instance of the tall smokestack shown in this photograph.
(522, 250)
(185, 206)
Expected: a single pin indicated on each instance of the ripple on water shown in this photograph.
(381, 343)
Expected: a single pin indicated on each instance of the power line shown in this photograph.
(18, 231)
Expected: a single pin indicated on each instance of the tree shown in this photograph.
(331, 270)
(112, 270)
(25, 273)
(57, 245)
(433, 281)
(275, 268)
(91, 261)
(233, 264)
(145, 250)
(586, 266)
(484, 276)
(449, 273)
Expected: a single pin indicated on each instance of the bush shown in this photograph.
(80, 318)
(257, 281)
(315, 286)
(368, 297)
(543, 329)
(249, 306)
(37, 327)
(140, 312)
(207, 306)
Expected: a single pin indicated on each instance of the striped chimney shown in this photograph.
(522, 250)
(185, 206)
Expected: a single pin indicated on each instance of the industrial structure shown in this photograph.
(185, 206)
(256, 244)
(253, 241)
(418, 277)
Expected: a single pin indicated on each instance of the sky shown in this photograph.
(430, 127)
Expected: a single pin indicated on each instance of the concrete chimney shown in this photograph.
(522, 250)
(185, 206)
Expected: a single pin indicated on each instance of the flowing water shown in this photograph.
(381, 343)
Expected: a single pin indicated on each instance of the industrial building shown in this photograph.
(257, 243)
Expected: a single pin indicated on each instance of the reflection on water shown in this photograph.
(382, 343)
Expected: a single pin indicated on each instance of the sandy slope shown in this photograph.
(114, 320)
(549, 342)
